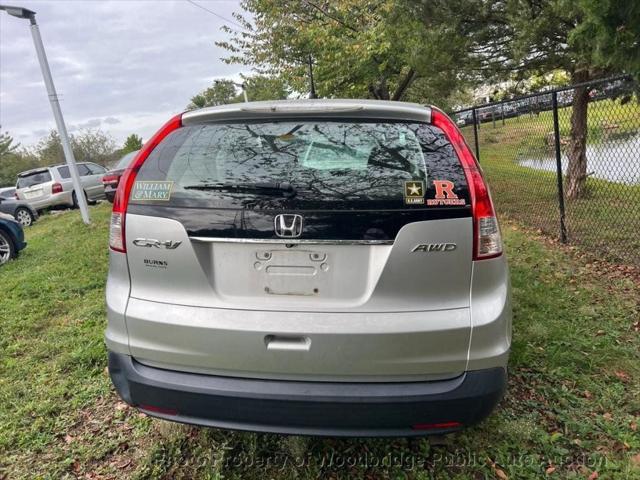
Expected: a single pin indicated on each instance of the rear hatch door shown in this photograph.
(300, 217)
(34, 185)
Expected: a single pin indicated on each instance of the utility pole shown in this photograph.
(55, 106)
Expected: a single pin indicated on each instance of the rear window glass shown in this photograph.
(125, 161)
(36, 178)
(64, 172)
(330, 164)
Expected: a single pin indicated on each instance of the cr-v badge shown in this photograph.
(151, 242)
(435, 247)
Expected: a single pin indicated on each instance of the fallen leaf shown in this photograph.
(607, 416)
(68, 438)
(501, 475)
(550, 470)
(593, 476)
(635, 460)
(633, 426)
(622, 375)
(124, 464)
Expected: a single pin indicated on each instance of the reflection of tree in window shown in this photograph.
(323, 159)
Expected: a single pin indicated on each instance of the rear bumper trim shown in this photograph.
(308, 408)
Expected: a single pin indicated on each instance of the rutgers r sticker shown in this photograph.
(414, 192)
(445, 194)
(156, 191)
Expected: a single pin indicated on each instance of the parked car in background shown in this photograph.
(22, 211)
(11, 238)
(52, 186)
(465, 118)
(497, 112)
(112, 177)
(326, 267)
(8, 192)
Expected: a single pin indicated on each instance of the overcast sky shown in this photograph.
(122, 66)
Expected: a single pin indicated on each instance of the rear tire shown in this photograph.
(7, 249)
(24, 217)
(74, 199)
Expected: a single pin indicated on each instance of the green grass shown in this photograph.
(605, 221)
(573, 402)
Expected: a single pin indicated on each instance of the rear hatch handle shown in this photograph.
(287, 343)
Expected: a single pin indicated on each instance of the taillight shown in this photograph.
(56, 188)
(487, 242)
(111, 180)
(125, 184)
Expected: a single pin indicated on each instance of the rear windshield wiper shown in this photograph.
(267, 188)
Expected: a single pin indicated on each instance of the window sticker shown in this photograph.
(444, 194)
(152, 190)
(414, 192)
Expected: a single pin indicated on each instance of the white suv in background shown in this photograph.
(52, 186)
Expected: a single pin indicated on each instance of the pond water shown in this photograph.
(614, 160)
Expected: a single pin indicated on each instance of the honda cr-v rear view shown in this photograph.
(326, 267)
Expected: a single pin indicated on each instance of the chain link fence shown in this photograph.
(573, 176)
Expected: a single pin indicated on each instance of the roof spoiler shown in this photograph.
(325, 108)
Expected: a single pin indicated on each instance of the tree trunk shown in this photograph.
(405, 83)
(380, 91)
(577, 148)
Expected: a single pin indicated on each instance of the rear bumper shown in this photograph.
(309, 408)
(52, 200)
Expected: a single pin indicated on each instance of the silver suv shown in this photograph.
(327, 267)
(52, 186)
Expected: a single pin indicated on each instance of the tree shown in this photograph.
(6, 144)
(94, 146)
(360, 48)
(88, 146)
(131, 144)
(522, 40)
(572, 35)
(221, 92)
(264, 87)
(613, 28)
(12, 160)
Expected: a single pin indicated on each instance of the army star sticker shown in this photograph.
(415, 189)
(414, 192)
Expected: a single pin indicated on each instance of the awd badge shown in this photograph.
(414, 192)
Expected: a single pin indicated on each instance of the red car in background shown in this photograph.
(111, 179)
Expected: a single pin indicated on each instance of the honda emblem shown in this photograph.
(288, 225)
